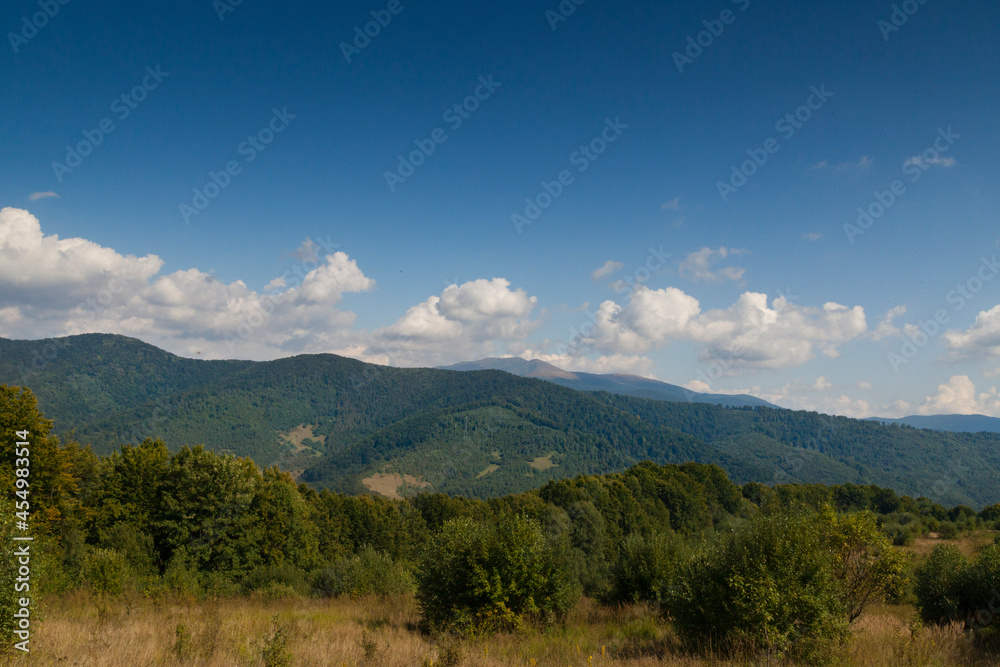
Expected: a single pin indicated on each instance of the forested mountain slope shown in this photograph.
(356, 427)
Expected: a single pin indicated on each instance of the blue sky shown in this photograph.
(757, 288)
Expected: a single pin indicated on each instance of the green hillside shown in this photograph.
(355, 427)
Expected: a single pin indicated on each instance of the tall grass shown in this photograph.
(79, 629)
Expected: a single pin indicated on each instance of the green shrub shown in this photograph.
(769, 587)
(370, 572)
(278, 591)
(940, 581)
(948, 530)
(107, 571)
(645, 568)
(484, 577)
(951, 588)
(285, 575)
(982, 590)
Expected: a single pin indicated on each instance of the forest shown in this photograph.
(474, 434)
(783, 571)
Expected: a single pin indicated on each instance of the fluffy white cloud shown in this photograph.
(748, 334)
(978, 342)
(958, 396)
(51, 287)
(471, 320)
(609, 364)
(608, 268)
(886, 328)
(39, 271)
(698, 265)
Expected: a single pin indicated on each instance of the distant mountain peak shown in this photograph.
(615, 383)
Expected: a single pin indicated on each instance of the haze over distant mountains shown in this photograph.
(627, 385)
(633, 385)
(953, 423)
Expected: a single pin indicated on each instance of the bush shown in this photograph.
(285, 575)
(486, 577)
(107, 571)
(645, 568)
(370, 572)
(940, 581)
(770, 587)
(948, 530)
(982, 590)
(951, 588)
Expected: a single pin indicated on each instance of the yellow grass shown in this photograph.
(543, 463)
(388, 484)
(79, 630)
(968, 543)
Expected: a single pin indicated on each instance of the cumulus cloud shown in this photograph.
(53, 287)
(607, 364)
(749, 334)
(468, 320)
(698, 265)
(981, 341)
(958, 396)
(886, 328)
(35, 196)
(608, 268)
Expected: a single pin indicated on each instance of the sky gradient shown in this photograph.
(794, 201)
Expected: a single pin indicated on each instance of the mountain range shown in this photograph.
(361, 428)
(628, 385)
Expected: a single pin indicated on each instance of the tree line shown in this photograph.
(787, 568)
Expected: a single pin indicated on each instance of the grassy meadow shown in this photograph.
(80, 629)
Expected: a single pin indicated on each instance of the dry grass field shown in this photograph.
(369, 632)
